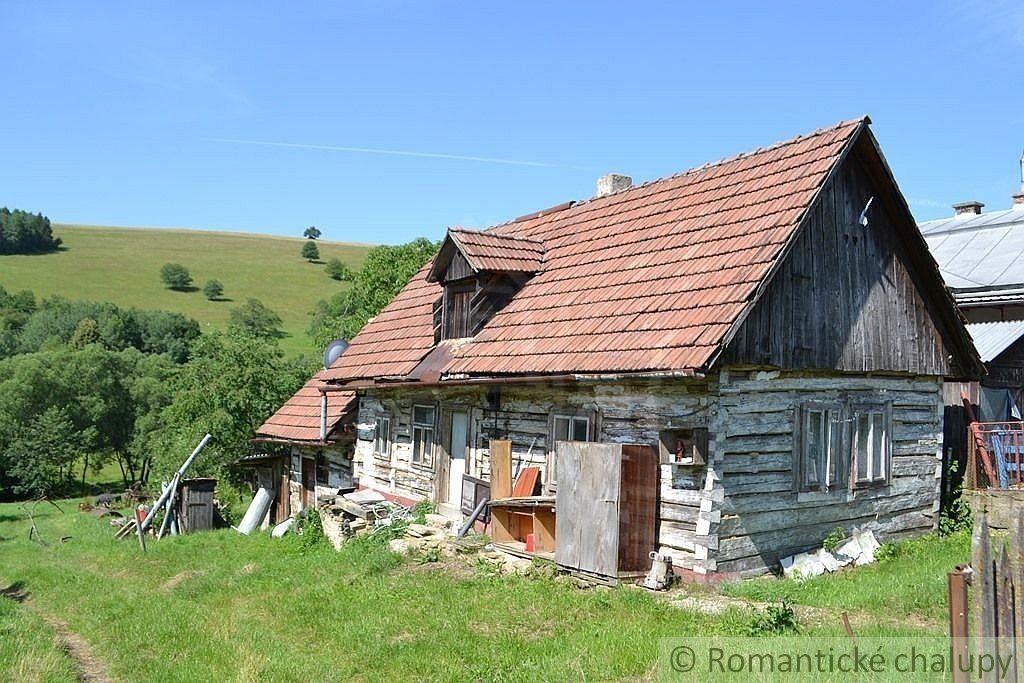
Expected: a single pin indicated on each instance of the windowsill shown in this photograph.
(841, 495)
(871, 485)
(420, 467)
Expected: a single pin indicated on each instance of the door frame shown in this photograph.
(308, 495)
(442, 468)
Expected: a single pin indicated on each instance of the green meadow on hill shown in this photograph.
(122, 265)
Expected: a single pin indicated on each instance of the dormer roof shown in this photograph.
(487, 252)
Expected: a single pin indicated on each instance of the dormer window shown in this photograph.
(480, 273)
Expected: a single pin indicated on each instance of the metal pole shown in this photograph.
(181, 470)
(958, 580)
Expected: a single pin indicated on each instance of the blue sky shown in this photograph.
(118, 113)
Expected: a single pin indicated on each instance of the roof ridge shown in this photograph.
(487, 231)
(864, 119)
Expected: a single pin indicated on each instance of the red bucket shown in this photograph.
(531, 544)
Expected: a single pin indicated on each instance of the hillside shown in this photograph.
(122, 265)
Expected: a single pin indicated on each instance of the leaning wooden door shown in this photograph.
(587, 507)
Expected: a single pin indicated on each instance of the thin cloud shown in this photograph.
(391, 152)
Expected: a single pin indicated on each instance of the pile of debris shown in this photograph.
(857, 550)
(361, 512)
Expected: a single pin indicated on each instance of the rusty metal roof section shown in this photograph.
(299, 418)
(650, 279)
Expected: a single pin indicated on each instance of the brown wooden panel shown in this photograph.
(638, 507)
(501, 469)
(526, 482)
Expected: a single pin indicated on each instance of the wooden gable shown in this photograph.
(854, 298)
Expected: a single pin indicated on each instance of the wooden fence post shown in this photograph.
(958, 623)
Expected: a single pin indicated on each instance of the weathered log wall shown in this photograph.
(763, 517)
(621, 413)
(747, 514)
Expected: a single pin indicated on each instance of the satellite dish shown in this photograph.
(333, 351)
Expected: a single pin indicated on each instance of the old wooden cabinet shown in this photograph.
(606, 507)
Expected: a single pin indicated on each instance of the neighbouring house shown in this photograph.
(981, 257)
(308, 449)
(771, 326)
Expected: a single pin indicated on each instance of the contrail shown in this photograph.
(392, 152)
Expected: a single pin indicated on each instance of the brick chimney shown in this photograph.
(967, 208)
(612, 183)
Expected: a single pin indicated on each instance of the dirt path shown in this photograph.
(88, 666)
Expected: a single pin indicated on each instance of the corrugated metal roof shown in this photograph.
(979, 251)
(991, 339)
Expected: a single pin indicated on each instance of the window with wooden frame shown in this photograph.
(382, 438)
(565, 425)
(423, 421)
(569, 428)
(872, 443)
(842, 446)
(457, 299)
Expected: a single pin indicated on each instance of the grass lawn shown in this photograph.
(122, 265)
(220, 606)
(910, 587)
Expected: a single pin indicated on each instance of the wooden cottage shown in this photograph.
(309, 446)
(771, 327)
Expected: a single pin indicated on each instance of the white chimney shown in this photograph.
(967, 208)
(612, 183)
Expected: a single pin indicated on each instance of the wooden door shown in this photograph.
(587, 507)
(458, 440)
(308, 482)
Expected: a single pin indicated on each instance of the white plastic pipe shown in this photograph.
(256, 512)
(323, 416)
(167, 492)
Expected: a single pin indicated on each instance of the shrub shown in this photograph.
(175, 276)
(774, 620)
(336, 270)
(213, 289)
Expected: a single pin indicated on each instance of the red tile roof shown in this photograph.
(647, 279)
(299, 418)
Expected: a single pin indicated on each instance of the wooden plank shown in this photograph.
(544, 530)
(501, 469)
(568, 529)
(526, 482)
(599, 523)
